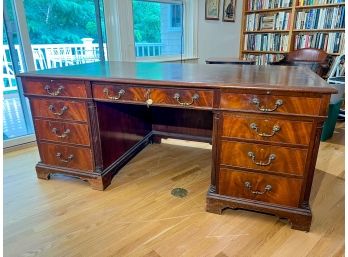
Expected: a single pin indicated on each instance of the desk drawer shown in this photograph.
(62, 132)
(183, 97)
(260, 187)
(154, 96)
(265, 128)
(56, 88)
(119, 93)
(271, 103)
(66, 156)
(61, 110)
(263, 157)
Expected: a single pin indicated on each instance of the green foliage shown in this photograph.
(147, 23)
(60, 21)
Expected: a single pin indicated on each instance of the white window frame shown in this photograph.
(120, 31)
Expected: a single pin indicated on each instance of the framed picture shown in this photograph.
(212, 9)
(229, 10)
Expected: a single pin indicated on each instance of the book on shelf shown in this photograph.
(266, 42)
(321, 18)
(259, 22)
(254, 5)
(318, 2)
(330, 42)
(263, 59)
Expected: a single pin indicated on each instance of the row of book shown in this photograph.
(254, 5)
(330, 42)
(327, 18)
(317, 2)
(276, 21)
(263, 59)
(266, 42)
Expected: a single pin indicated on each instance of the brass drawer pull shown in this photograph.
(193, 99)
(63, 135)
(260, 163)
(120, 93)
(60, 158)
(268, 188)
(62, 111)
(275, 129)
(54, 93)
(256, 101)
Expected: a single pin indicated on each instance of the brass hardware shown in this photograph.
(275, 129)
(179, 192)
(268, 188)
(193, 98)
(63, 135)
(260, 163)
(120, 93)
(62, 111)
(60, 158)
(55, 93)
(148, 101)
(256, 101)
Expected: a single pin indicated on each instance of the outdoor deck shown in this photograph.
(13, 120)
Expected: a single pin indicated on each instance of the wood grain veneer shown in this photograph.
(67, 110)
(82, 158)
(290, 104)
(56, 88)
(287, 159)
(290, 131)
(63, 132)
(284, 191)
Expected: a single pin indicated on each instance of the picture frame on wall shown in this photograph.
(212, 9)
(229, 10)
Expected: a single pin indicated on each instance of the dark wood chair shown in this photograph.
(316, 59)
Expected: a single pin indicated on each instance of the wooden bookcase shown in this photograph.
(290, 32)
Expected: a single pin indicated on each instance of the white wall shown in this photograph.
(217, 38)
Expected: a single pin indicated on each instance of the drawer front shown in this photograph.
(66, 156)
(119, 93)
(62, 132)
(56, 88)
(61, 110)
(271, 103)
(154, 96)
(263, 157)
(260, 187)
(183, 97)
(258, 127)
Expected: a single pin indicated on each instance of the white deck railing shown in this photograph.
(48, 56)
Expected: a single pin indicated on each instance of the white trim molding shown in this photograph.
(119, 30)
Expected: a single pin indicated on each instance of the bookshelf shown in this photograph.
(272, 28)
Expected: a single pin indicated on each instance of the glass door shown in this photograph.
(39, 35)
(17, 122)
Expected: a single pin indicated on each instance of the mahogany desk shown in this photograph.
(264, 124)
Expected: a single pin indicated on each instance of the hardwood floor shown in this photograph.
(138, 216)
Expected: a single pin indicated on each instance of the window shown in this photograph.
(62, 33)
(176, 16)
(158, 28)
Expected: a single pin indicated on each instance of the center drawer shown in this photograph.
(263, 157)
(154, 96)
(260, 187)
